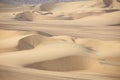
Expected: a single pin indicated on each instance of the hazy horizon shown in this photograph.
(34, 1)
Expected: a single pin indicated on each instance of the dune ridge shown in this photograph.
(99, 10)
(88, 54)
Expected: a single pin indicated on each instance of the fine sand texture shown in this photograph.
(60, 41)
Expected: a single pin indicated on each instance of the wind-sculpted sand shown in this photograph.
(60, 41)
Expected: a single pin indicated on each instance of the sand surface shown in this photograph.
(60, 41)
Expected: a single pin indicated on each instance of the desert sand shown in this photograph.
(60, 41)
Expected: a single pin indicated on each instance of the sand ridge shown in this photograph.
(81, 12)
(63, 44)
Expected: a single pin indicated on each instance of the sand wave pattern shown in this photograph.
(60, 40)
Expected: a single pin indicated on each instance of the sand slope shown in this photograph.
(105, 19)
(61, 51)
(104, 12)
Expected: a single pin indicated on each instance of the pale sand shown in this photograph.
(60, 41)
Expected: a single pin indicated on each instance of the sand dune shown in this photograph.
(58, 48)
(28, 16)
(9, 39)
(105, 19)
(33, 41)
(100, 16)
(36, 45)
(97, 10)
(60, 41)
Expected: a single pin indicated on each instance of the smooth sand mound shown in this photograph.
(69, 63)
(82, 14)
(85, 12)
(104, 19)
(102, 48)
(54, 54)
(64, 53)
(9, 39)
(29, 16)
(33, 41)
(106, 52)
(44, 51)
(25, 16)
(78, 10)
(103, 58)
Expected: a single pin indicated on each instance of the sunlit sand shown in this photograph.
(60, 41)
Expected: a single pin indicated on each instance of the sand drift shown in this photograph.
(59, 53)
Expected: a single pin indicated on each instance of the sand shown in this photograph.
(60, 41)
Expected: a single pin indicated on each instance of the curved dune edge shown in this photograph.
(9, 39)
(105, 19)
(101, 17)
(103, 12)
(46, 53)
(29, 16)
